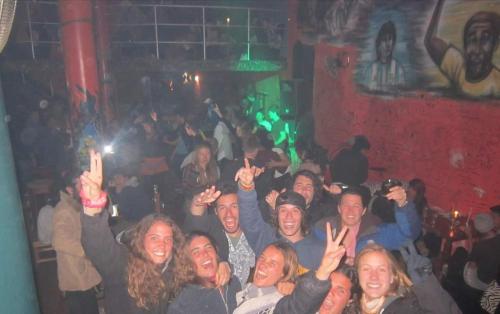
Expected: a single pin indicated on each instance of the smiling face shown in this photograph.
(375, 275)
(351, 209)
(228, 212)
(479, 45)
(158, 242)
(269, 268)
(289, 222)
(305, 187)
(338, 296)
(204, 258)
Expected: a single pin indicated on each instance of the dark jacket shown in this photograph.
(306, 297)
(350, 167)
(407, 304)
(110, 259)
(433, 298)
(195, 299)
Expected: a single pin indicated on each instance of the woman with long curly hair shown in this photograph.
(142, 276)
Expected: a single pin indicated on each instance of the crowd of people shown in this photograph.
(207, 217)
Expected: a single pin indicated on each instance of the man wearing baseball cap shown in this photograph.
(289, 224)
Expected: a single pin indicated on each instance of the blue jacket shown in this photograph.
(390, 235)
(260, 234)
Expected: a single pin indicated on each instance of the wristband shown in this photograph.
(97, 203)
(245, 187)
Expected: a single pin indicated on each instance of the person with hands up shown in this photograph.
(364, 226)
(223, 226)
(278, 263)
(289, 221)
(145, 275)
(426, 287)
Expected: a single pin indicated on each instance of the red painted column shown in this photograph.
(103, 57)
(79, 57)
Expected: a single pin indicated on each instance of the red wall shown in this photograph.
(414, 136)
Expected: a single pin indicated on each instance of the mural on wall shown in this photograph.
(465, 53)
(446, 47)
(330, 20)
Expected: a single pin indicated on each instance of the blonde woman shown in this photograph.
(385, 287)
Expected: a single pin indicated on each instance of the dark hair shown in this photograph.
(388, 28)
(355, 190)
(352, 275)
(188, 261)
(480, 17)
(384, 209)
(360, 143)
(317, 185)
(227, 187)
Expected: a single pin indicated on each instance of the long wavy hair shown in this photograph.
(187, 264)
(210, 175)
(144, 278)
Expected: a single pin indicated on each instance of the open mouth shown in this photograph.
(260, 274)
(207, 264)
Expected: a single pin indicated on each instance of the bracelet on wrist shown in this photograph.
(100, 202)
(246, 187)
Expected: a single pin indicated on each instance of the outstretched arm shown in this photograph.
(436, 47)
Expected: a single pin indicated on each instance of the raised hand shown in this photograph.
(333, 189)
(245, 176)
(419, 267)
(398, 194)
(92, 181)
(202, 200)
(271, 199)
(334, 252)
(223, 274)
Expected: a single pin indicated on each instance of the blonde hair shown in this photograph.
(401, 283)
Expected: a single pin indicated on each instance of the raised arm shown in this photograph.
(436, 47)
(97, 239)
(258, 233)
(312, 287)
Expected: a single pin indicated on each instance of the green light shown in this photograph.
(273, 115)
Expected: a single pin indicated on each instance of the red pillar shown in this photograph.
(103, 57)
(79, 55)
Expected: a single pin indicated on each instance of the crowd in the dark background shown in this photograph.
(202, 213)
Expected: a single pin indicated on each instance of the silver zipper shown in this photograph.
(224, 300)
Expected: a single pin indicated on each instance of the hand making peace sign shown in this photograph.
(334, 252)
(247, 174)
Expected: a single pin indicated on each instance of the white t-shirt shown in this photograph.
(44, 224)
(223, 137)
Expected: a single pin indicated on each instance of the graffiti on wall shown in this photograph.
(446, 47)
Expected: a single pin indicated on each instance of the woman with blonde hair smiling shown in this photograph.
(385, 287)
